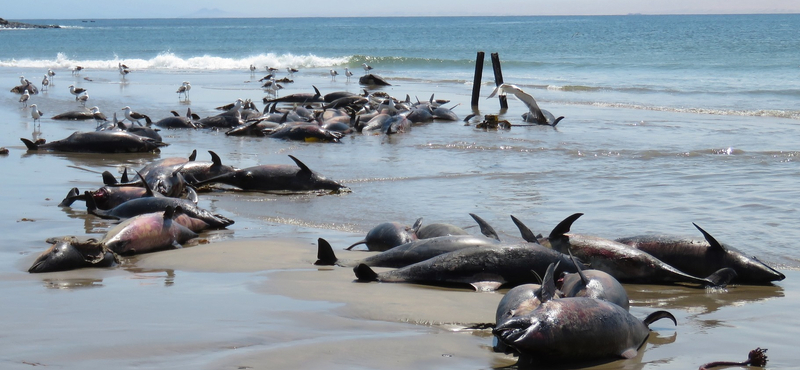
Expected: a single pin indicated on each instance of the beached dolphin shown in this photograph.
(69, 253)
(703, 257)
(625, 263)
(275, 178)
(575, 329)
(485, 269)
(595, 284)
(388, 235)
(299, 98)
(148, 232)
(535, 114)
(98, 142)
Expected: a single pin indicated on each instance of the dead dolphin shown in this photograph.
(148, 232)
(98, 142)
(518, 301)
(275, 178)
(69, 253)
(595, 284)
(485, 269)
(388, 235)
(577, 329)
(623, 262)
(703, 257)
(439, 229)
(408, 253)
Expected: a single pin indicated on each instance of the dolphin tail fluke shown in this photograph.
(73, 195)
(722, 277)
(658, 315)
(355, 244)
(29, 144)
(557, 121)
(325, 255)
(365, 273)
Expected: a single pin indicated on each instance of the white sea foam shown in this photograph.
(168, 60)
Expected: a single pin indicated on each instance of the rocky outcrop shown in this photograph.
(6, 24)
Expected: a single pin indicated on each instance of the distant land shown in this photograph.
(8, 24)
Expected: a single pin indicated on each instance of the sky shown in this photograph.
(97, 9)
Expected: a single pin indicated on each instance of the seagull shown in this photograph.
(45, 83)
(134, 116)
(23, 81)
(535, 114)
(291, 71)
(333, 75)
(98, 116)
(83, 98)
(366, 67)
(348, 73)
(123, 70)
(252, 69)
(50, 73)
(271, 70)
(272, 87)
(24, 98)
(77, 70)
(76, 91)
(184, 89)
(35, 113)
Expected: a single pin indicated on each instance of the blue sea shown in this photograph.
(669, 121)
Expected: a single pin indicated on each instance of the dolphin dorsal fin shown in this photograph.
(302, 165)
(714, 244)
(215, 159)
(169, 212)
(486, 229)
(578, 268)
(563, 226)
(108, 178)
(417, 225)
(526, 233)
(316, 91)
(193, 156)
(124, 178)
(548, 289)
(149, 192)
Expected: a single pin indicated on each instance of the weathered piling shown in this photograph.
(498, 78)
(476, 83)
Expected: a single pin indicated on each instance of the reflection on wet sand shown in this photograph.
(72, 283)
(700, 301)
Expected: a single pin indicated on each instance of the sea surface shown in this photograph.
(669, 121)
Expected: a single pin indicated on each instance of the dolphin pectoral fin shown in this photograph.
(629, 353)
(486, 282)
(325, 255)
(564, 226)
(486, 229)
(363, 241)
(526, 233)
(721, 277)
(365, 273)
(658, 315)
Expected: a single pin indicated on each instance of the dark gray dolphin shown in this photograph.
(300, 98)
(577, 329)
(703, 257)
(408, 253)
(439, 229)
(98, 142)
(275, 178)
(485, 269)
(388, 235)
(623, 262)
(69, 253)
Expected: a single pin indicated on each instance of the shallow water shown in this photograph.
(255, 301)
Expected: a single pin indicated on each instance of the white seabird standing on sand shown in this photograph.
(45, 83)
(35, 113)
(348, 73)
(291, 71)
(333, 75)
(76, 91)
(184, 89)
(83, 98)
(535, 114)
(123, 70)
(77, 70)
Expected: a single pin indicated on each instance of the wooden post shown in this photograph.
(476, 83)
(498, 78)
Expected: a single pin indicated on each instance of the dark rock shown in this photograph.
(7, 24)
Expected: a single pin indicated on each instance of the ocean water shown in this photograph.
(669, 120)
